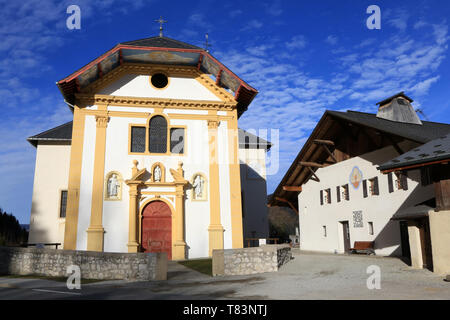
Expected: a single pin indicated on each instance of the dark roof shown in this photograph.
(160, 42)
(252, 141)
(59, 133)
(435, 150)
(418, 133)
(400, 94)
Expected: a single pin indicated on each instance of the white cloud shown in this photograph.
(332, 40)
(296, 42)
(252, 24)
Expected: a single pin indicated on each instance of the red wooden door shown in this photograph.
(157, 228)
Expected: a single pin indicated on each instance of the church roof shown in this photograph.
(160, 42)
(158, 50)
(60, 133)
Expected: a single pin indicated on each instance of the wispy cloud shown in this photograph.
(296, 42)
(332, 40)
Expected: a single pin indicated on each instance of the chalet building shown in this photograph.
(336, 188)
(153, 160)
(428, 223)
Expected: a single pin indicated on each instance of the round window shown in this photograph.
(159, 80)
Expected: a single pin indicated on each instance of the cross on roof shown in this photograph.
(207, 44)
(160, 21)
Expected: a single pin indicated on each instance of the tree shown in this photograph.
(11, 232)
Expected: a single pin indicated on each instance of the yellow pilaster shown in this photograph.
(179, 252)
(133, 243)
(76, 152)
(215, 228)
(95, 231)
(235, 182)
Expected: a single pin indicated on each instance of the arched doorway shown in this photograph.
(157, 228)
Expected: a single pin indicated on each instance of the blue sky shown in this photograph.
(303, 56)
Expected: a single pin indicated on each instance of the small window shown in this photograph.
(159, 80)
(137, 139)
(402, 181)
(63, 204)
(338, 194)
(177, 140)
(325, 231)
(328, 196)
(374, 190)
(370, 228)
(345, 192)
(321, 197)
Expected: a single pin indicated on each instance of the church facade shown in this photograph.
(153, 158)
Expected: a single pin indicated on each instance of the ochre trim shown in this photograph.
(96, 99)
(215, 228)
(73, 194)
(95, 230)
(235, 182)
(145, 115)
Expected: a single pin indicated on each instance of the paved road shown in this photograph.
(307, 276)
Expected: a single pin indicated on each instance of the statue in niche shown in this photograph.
(198, 187)
(157, 174)
(113, 186)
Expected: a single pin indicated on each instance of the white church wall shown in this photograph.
(377, 209)
(254, 191)
(224, 184)
(87, 173)
(178, 88)
(50, 178)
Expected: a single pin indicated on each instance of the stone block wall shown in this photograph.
(93, 265)
(267, 258)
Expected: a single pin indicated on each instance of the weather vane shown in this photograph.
(207, 44)
(160, 21)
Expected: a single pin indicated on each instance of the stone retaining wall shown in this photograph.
(93, 265)
(267, 258)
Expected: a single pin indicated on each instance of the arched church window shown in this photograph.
(158, 135)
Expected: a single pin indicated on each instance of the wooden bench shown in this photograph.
(366, 247)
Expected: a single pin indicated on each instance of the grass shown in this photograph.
(201, 265)
(59, 279)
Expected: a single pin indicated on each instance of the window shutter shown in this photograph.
(365, 188)
(404, 181)
(390, 182)
(321, 197)
(338, 194)
(376, 190)
(158, 135)
(347, 192)
(329, 195)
